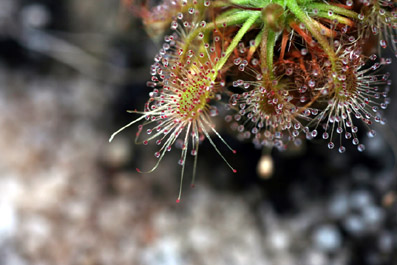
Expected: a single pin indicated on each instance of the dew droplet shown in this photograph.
(237, 61)
(331, 145)
(371, 133)
(383, 44)
(174, 25)
(361, 147)
(342, 149)
(314, 133)
(348, 135)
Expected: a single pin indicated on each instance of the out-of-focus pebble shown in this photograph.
(327, 238)
(35, 15)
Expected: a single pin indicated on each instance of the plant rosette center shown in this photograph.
(195, 95)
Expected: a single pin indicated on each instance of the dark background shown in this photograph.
(68, 71)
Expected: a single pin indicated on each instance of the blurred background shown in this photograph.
(69, 70)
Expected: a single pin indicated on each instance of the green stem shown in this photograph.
(235, 18)
(267, 51)
(257, 41)
(338, 18)
(304, 2)
(229, 13)
(336, 9)
(219, 4)
(240, 34)
(248, 3)
(314, 29)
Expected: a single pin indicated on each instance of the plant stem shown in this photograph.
(251, 3)
(340, 19)
(314, 29)
(257, 42)
(240, 34)
(235, 18)
(336, 9)
(267, 52)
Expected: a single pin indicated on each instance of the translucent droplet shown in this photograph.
(348, 135)
(371, 133)
(383, 43)
(361, 147)
(331, 145)
(237, 61)
(314, 133)
(214, 111)
(174, 25)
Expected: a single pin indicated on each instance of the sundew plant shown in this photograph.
(285, 70)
